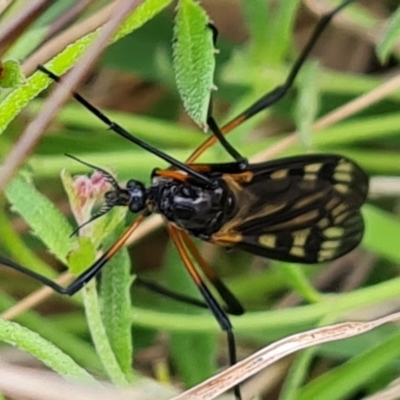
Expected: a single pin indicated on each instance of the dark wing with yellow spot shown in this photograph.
(301, 209)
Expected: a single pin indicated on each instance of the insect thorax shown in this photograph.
(201, 211)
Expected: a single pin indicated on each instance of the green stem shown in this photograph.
(99, 335)
(271, 320)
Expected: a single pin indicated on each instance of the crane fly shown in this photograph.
(302, 209)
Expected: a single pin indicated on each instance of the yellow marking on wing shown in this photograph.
(344, 166)
(323, 223)
(300, 237)
(342, 176)
(267, 241)
(297, 251)
(313, 168)
(280, 174)
(341, 188)
(330, 244)
(333, 232)
(324, 255)
(310, 177)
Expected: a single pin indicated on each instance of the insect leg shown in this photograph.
(233, 304)
(32, 274)
(218, 312)
(85, 276)
(212, 124)
(158, 289)
(119, 130)
(242, 161)
(280, 91)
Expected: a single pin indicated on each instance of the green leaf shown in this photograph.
(194, 60)
(389, 37)
(81, 256)
(78, 348)
(116, 281)
(300, 369)
(43, 217)
(151, 38)
(194, 355)
(43, 350)
(297, 374)
(11, 74)
(297, 278)
(99, 336)
(18, 250)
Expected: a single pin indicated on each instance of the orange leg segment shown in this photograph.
(212, 139)
(233, 305)
(218, 312)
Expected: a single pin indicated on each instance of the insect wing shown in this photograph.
(301, 209)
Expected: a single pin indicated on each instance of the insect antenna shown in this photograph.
(110, 197)
(103, 210)
(108, 177)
